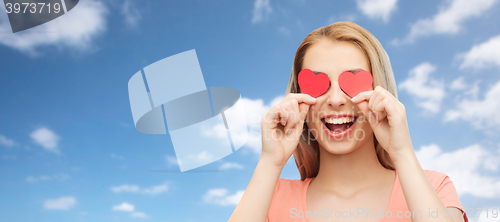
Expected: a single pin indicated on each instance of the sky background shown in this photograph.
(69, 150)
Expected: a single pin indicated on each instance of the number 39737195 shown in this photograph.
(32, 8)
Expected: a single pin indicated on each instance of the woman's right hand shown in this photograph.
(282, 127)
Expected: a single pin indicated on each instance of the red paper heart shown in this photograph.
(314, 85)
(352, 84)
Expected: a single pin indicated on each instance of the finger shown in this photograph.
(274, 116)
(283, 115)
(270, 119)
(375, 97)
(363, 106)
(368, 115)
(375, 104)
(393, 104)
(379, 110)
(302, 98)
(362, 96)
(372, 119)
(287, 105)
(390, 102)
(388, 106)
(293, 117)
(303, 109)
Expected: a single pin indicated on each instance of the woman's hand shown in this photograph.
(282, 127)
(277, 147)
(387, 117)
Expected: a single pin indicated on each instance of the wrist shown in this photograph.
(403, 156)
(269, 164)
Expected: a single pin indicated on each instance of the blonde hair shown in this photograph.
(307, 153)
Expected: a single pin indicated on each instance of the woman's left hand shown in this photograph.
(387, 118)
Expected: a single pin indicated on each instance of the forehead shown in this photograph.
(334, 57)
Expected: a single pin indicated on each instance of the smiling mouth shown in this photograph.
(339, 125)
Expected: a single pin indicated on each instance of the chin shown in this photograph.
(338, 148)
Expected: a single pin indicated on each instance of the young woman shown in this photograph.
(354, 155)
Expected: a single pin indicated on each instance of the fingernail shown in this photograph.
(290, 130)
(353, 98)
(313, 98)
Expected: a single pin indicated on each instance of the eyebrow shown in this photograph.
(354, 71)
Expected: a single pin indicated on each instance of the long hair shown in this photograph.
(307, 153)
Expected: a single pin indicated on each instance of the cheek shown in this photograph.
(313, 114)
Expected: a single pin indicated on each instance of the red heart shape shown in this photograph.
(352, 84)
(314, 85)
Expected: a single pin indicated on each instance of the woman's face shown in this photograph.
(336, 122)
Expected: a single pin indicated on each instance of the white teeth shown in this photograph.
(339, 120)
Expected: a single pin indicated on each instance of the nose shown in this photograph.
(336, 97)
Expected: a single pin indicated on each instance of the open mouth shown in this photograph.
(339, 126)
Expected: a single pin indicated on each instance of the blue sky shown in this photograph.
(69, 150)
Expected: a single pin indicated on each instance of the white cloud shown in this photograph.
(6, 141)
(222, 197)
(126, 188)
(34, 179)
(464, 167)
(449, 19)
(46, 138)
(377, 9)
(248, 130)
(203, 156)
(229, 165)
(63, 203)
(473, 91)
(254, 110)
(480, 113)
(458, 84)
(156, 189)
(482, 55)
(139, 214)
(131, 13)
(427, 92)
(76, 29)
(261, 11)
(124, 207)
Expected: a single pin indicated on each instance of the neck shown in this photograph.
(350, 172)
